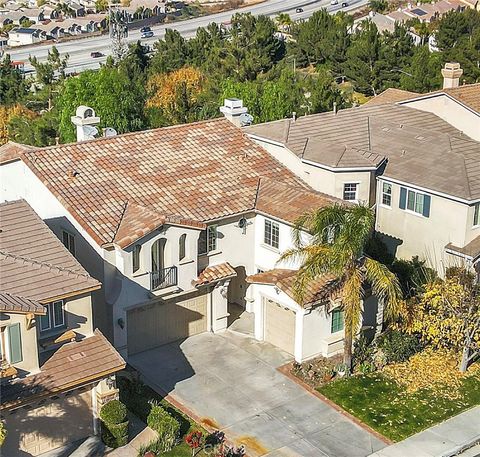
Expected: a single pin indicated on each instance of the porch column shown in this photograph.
(299, 314)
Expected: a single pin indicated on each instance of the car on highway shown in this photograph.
(299, 10)
(96, 54)
(145, 29)
(344, 4)
(148, 34)
(334, 2)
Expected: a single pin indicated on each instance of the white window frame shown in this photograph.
(70, 237)
(4, 352)
(51, 317)
(476, 215)
(269, 235)
(212, 241)
(386, 194)
(416, 195)
(345, 184)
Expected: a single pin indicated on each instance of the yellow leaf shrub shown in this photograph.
(6, 114)
(432, 369)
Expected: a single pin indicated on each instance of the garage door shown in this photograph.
(279, 326)
(47, 425)
(161, 323)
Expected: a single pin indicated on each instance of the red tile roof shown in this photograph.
(72, 365)
(317, 291)
(215, 273)
(201, 171)
(12, 151)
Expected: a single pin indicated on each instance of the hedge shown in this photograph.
(114, 424)
(167, 427)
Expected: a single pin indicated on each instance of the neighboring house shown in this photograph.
(22, 36)
(15, 17)
(405, 154)
(55, 369)
(173, 221)
(52, 29)
(35, 15)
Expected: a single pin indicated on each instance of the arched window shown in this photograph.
(182, 246)
(158, 255)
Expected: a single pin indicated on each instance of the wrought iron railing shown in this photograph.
(163, 278)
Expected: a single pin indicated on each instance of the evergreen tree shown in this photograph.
(12, 84)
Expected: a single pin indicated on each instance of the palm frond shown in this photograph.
(385, 286)
(352, 294)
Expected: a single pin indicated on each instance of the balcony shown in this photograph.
(161, 279)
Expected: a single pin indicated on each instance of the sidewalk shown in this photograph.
(443, 440)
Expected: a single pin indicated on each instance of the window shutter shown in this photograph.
(426, 205)
(403, 198)
(15, 343)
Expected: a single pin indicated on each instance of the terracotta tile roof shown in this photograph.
(420, 148)
(137, 221)
(289, 203)
(201, 171)
(13, 303)
(74, 364)
(471, 249)
(317, 291)
(12, 151)
(215, 273)
(391, 95)
(34, 264)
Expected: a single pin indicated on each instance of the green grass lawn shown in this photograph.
(387, 408)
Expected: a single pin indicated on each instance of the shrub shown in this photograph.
(167, 427)
(114, 424)
(397, 346)
(363, 351)
(3, 433)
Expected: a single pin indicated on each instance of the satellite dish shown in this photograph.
(242, 223)
(90, 132)
(109, 131)
(245, 119)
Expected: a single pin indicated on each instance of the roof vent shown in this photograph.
(76, 356)
(385, 129)
(420, 137)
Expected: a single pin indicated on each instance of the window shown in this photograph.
(69, 241)
(15, 354)
(182, 246)
(350, 191)
(337, 320)
(212, 238)
(136, 257)
(476, 215)
(202, 243)
(415, 201)
(272, 233)
(386, 194)
(54, 317)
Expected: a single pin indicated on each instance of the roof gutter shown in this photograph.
(342, 169)
(440, 94)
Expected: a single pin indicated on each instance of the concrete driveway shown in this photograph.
(231, 382)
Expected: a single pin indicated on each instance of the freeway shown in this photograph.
(79, 50)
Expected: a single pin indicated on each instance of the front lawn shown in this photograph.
(386, 406)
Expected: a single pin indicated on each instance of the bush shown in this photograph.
(114, 424)
(398, 346)
(167, 427)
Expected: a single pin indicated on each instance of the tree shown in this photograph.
(363, 56)
(171, 53)
(339, 234)
(448, 315)
(176, 93)
(101, 5)
(423, 74)
(12, 84)
(52, 70)
(36, 130)
(7, 113)
(284, 21)
(378, 5)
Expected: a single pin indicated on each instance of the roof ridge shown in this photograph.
(45, 264)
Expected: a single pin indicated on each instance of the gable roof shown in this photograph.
(391, 95)
(190, 173)
(72, 365)
(34, 264)
(420, 148)
(317, 291)
(12, 151)
(468, 95)
(13, 303)
(214, 273)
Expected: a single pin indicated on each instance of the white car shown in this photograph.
(333, 2)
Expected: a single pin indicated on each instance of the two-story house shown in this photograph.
(415, 165)
(172, 221)
(55, 369)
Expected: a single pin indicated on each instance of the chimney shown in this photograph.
(85, 121)
(233, 110)
(451, 75)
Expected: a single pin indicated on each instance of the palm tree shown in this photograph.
(339, 234)
(284, 21)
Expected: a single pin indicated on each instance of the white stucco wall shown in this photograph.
(451, 111)
(414, 234)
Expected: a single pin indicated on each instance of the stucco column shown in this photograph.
(299, 314)
(219, 306)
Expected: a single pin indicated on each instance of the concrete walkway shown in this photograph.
(231, 382)
(443, 440)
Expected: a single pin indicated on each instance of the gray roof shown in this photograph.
(420, 148)
(34, 264)
(13, 303)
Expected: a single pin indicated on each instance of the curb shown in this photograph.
(285, 370)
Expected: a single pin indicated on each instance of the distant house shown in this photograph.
(34, 15)
(22, 36)
(56, 370)
(78, 10)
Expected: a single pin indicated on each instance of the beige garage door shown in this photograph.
(52, 423)
(161, 323)
(279, 326)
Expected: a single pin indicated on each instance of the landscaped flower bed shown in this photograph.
(317, 372)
